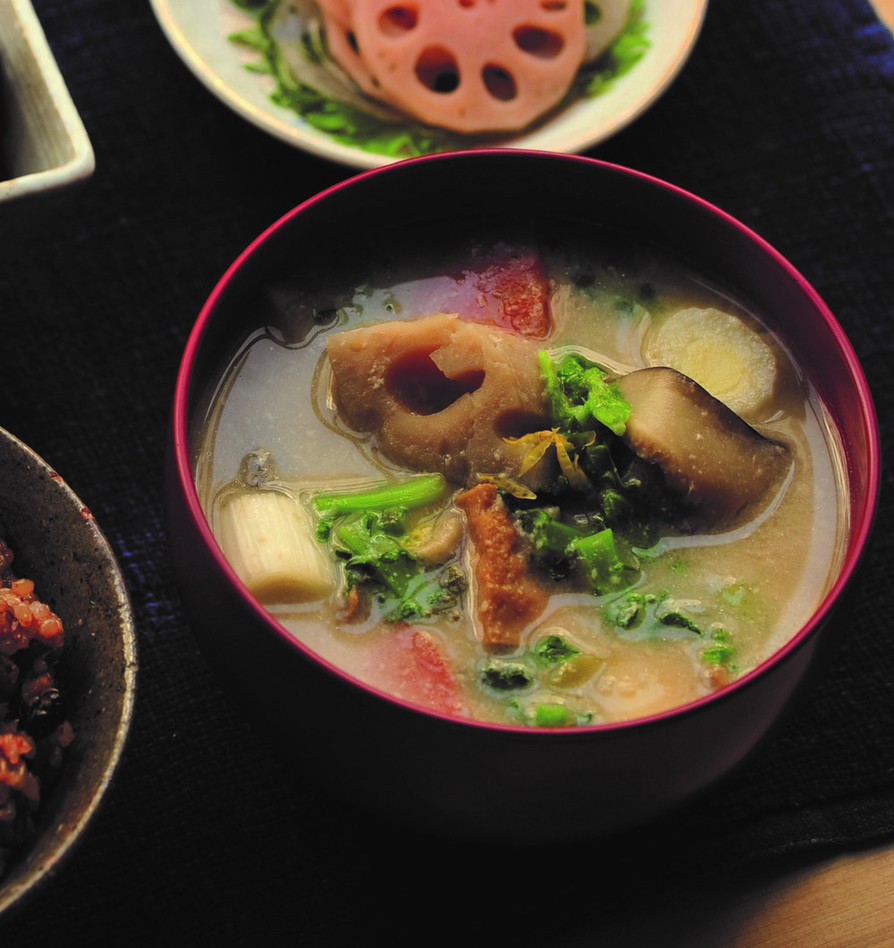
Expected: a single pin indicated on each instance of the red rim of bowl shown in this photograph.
(859, 533)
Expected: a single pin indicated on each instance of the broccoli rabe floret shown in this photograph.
(648, 614)
(580, 397)
(507, 676)
(373, 553)
(367, 532)
(586, 550)
(550, 539)
(551, 666)
(589, 415)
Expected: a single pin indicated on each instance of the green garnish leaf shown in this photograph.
(649, 615)
(554, 649)
(506, 676)
(368, 533)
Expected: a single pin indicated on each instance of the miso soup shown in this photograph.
(541, 477)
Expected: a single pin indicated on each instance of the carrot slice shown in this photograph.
(518, 286)
(416, 670)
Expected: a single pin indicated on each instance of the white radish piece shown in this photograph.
(720, 352)
(707, 453)
(270, 541)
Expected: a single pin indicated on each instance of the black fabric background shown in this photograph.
(784, 117)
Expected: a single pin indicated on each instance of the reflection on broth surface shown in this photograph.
(546, 479)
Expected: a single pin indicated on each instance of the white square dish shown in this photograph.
(44, 146)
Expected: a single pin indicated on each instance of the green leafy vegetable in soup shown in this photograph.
(492, 485)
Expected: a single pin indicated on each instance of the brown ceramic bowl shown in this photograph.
(58, 544)
(453, 775)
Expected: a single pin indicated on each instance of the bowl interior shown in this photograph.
(58, 544)
(417, 194)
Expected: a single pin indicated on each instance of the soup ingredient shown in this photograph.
(466, 66)
(512, 291)
(707, 453)
(440, 539)
(551, 662)
(442, 394)
(508, 596)
(491, 282)
(720, 352)
(34, 730)
(270, 541)
(400, 496)
(613, 486)
(580, 396)
(414, 669)
(371, 533)
(585, 550)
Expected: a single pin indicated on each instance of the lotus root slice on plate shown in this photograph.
(467, 65)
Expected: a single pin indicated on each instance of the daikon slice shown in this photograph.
(729, 358)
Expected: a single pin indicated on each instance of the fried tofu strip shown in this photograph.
(508, 596)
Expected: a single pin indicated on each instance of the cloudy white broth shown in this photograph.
(541, 478)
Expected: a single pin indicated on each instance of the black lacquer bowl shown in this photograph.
(451, 775)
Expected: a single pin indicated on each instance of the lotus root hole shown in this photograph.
(515, 423)
(437, 70)
(536, 41)
(499, 83)
(397, 20)
(420, 387)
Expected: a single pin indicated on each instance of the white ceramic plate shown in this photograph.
(199, 33)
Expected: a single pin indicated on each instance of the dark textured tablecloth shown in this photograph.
(784, 117)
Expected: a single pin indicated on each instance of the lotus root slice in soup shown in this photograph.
(474, 479)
